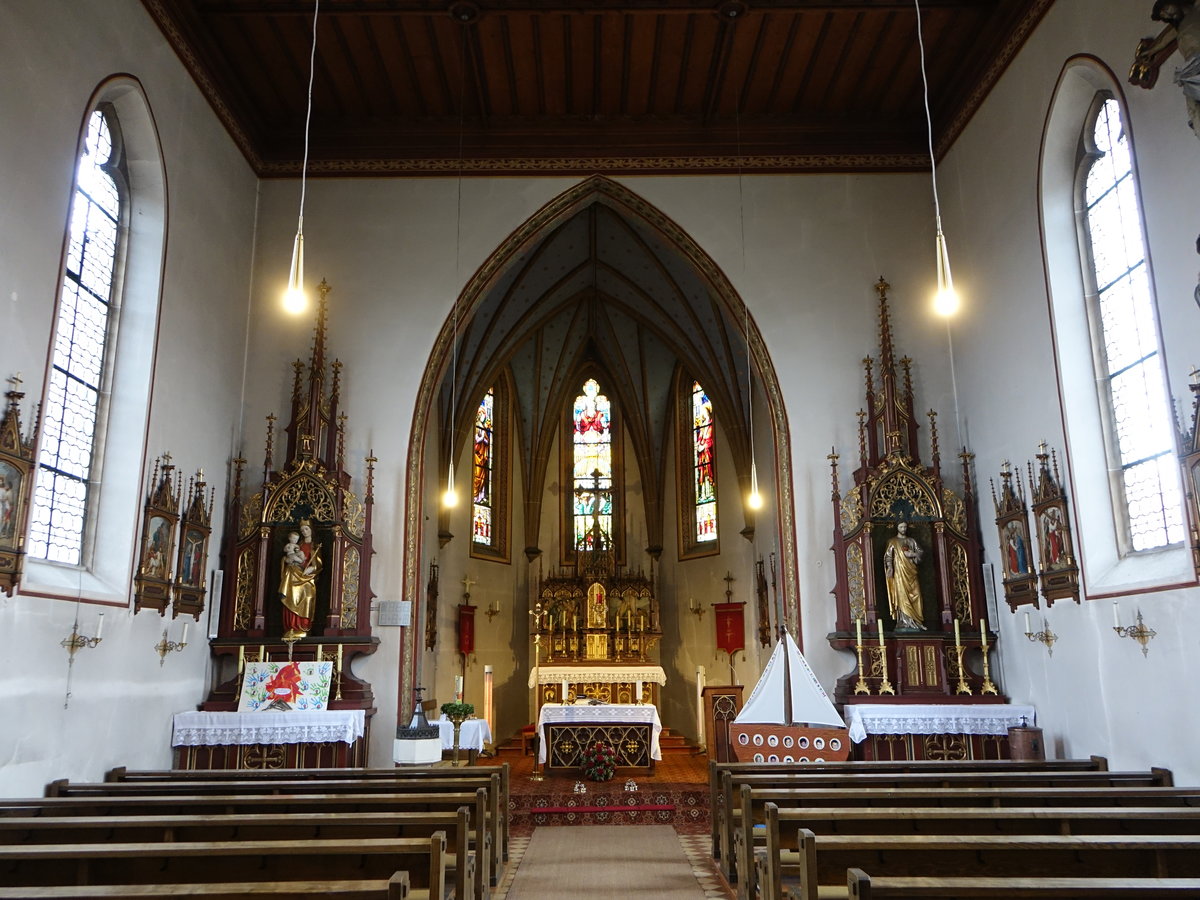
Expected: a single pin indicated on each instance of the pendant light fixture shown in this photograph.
(945, 301)
(450, 497)
(295, 300)
(733, 11)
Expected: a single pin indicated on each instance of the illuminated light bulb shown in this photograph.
(450, 498)
(754, 500)
(294, 299)
(945, 301)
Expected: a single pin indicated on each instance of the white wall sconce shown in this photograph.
(165, 646)
(1045, 636)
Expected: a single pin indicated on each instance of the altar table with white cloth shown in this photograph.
(603, 716)
(270, 740)
(473, 734)
(905, 718)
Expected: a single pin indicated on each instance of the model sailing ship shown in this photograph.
(789, 717)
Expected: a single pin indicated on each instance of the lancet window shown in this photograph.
(592, 465)
(1133, 392)
(489, 475)
(78, 371)
(698, 470)
(482, 476)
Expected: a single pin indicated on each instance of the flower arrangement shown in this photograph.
(599, 761)
(457, 710)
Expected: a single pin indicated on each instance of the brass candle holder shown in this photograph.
(885, 685)
(166, 646)
(963, 687)
(1045, 636)
(860, 686)
(988, 687)
(1141, 632)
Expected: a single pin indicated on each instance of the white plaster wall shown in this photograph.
(53, 54)
(814, 247)
(1097, 693)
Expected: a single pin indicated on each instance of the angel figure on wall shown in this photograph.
(298, 572)
(900, 559)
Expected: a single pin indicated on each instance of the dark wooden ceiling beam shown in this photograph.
(381, 67)
(410, 67)
(664, 7)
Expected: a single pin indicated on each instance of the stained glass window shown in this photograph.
(592, 472)
(482, 471)
(77, 358)
(1140, 441)
(704, 465)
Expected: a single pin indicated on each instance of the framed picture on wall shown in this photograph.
(16, 484)
(1016, 549)
(192, 563)
(1059, 564)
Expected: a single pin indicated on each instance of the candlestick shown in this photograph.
(858, 632)
(879, 622)
(1116, 615)
(957, 637)
(262, 653)
(338, 695)
(100, 626)
(987, 687)
(860, 686)
(983, 633)
(963, 687)
(1028, 630)
(241, 658)
(574, 623)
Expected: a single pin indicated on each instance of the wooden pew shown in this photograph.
(752, 811)
(861, 886)
(394, 888)
(715, 770)
(484, 821)
(783, 824)
(466, 865)
(727, 812)
(400, 775)
(497, 817)
(823, 860)
(230, 862)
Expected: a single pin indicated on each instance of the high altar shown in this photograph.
(595, 631)
(909, 594)
(299, 548)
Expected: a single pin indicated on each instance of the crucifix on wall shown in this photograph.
(596, 495)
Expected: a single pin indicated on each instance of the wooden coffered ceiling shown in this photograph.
(495, 87)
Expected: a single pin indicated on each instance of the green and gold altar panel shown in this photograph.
(631, 741)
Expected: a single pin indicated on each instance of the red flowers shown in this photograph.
(599, 761)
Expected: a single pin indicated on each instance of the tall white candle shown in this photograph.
(1116, 615)
(957, 638)
(183, 637)
(983, 632)
(858, 632)
(99, 626)
(1028, 630)
(879, 622)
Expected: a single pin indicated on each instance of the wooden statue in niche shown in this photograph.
(907, 552)
(297, 552)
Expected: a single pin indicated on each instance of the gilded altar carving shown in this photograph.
(251, 516)
(960, 584)
(955, 511)
(852, 510)
(854, 578)
(350, 588)
(904, 487)
(946, 747)
(353, 514)
(244, 591)
(303, 490)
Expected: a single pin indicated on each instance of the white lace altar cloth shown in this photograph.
(204, 729)
(903, 718)
(606, 674)
(472, 736)
(603, 714)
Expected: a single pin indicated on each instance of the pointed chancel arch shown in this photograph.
(600, 283)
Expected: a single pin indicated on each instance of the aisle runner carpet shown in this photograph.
(682, 803)
(609, 863)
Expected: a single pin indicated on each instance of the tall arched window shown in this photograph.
(82, 335)
(592, 465)
(698, 472)
(1139, 437)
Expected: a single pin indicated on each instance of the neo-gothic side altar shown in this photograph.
(909, 593)
(297, 557)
